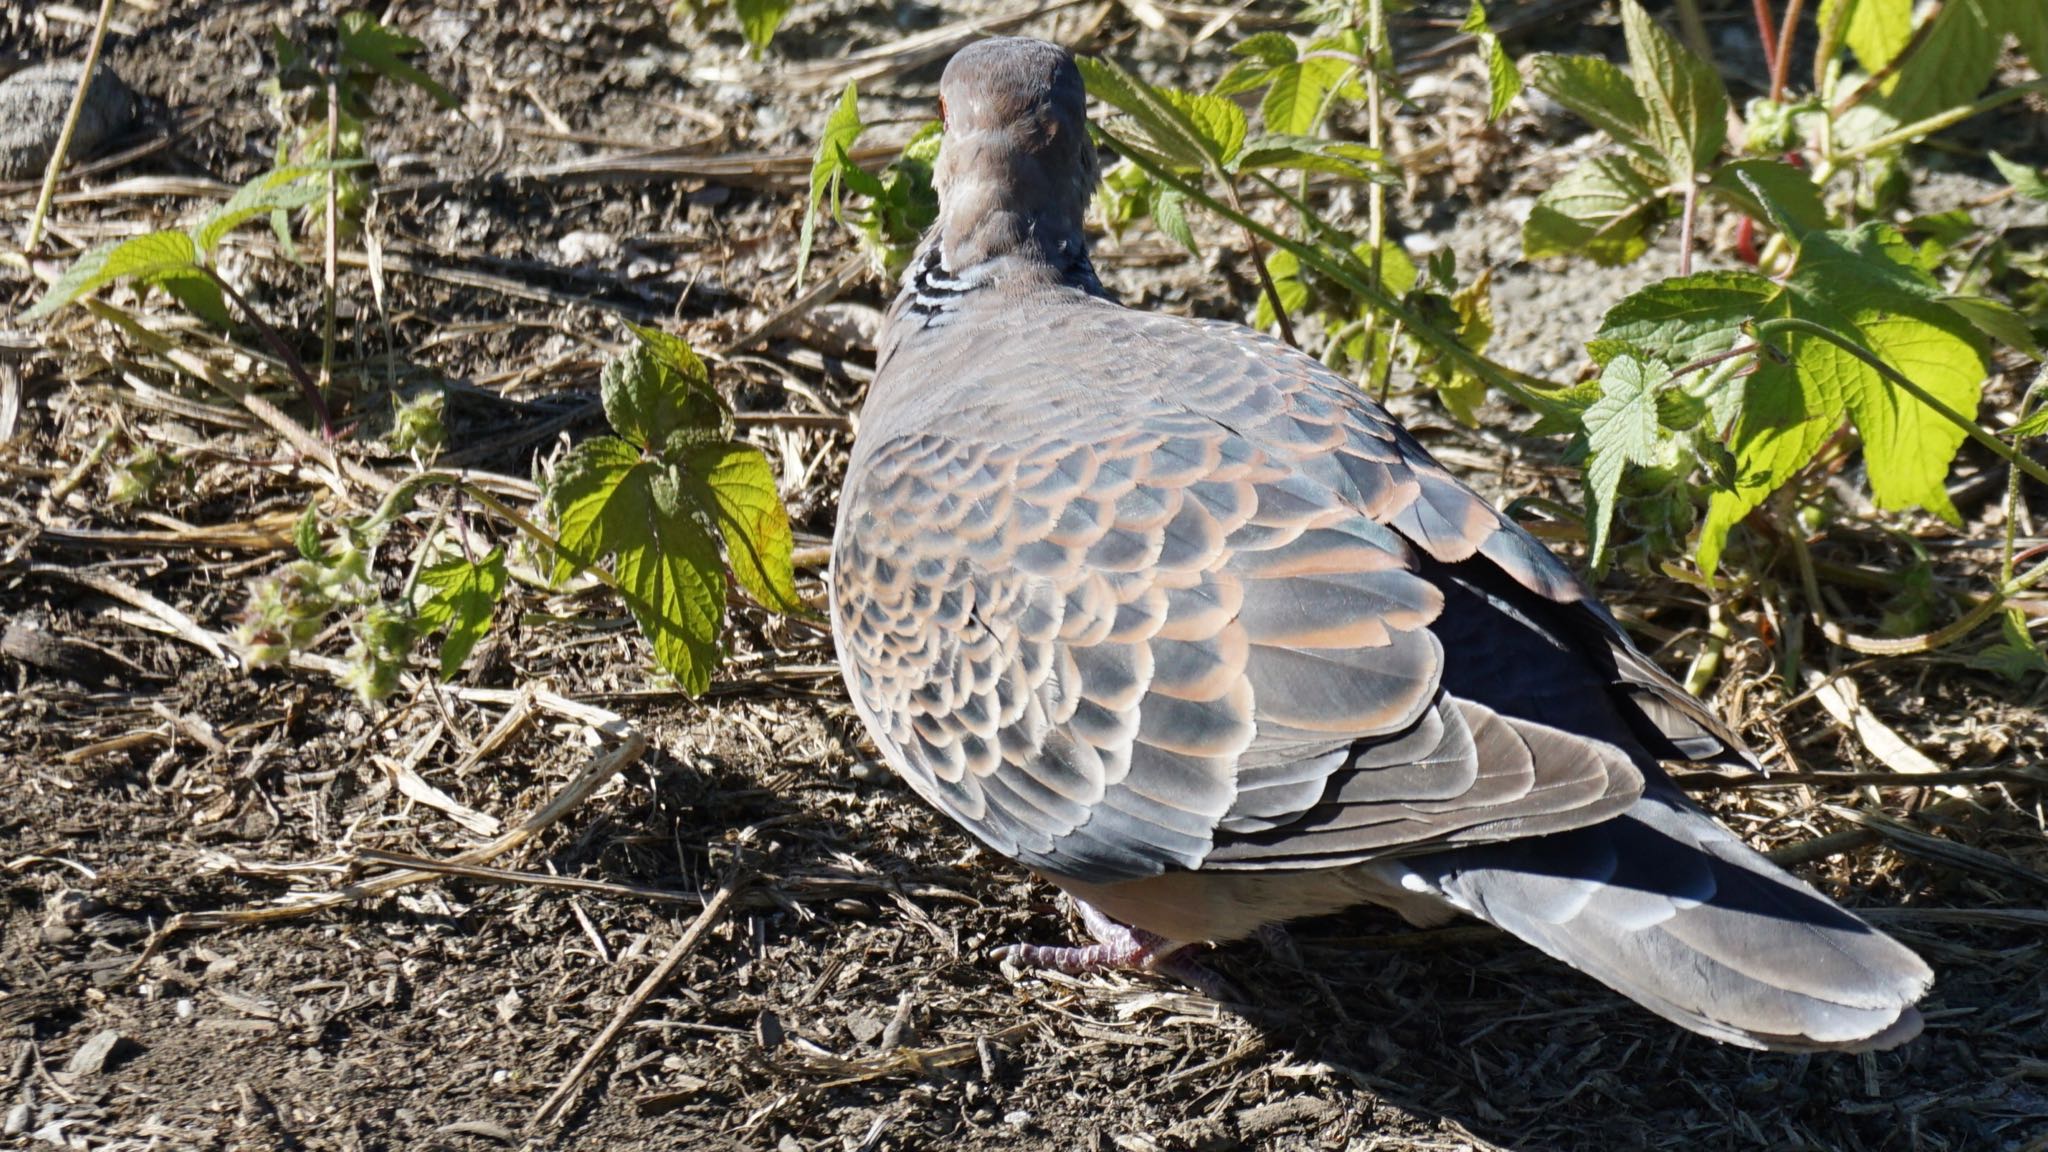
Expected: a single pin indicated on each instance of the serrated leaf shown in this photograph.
(1598, 210)
(1621, 429)
(2025, 182)
(658, 395)
(138, 257)
(608, 500)
(1600, 93)
(461, 596)
(1857, 283)
(1785, 418)
(1874, 30)
(1503, 79)
(1162, 127)
(1218, 123)
(1271, 48)
(1169, 213)
(828, 165)
(1771, 192)
(384, 51)
(1686, 319)
(1956, 56)
(734, 481)
(1687, 107)
(2016, 656)
(1316, 154)
(284, 189)
(759, 19)
(1299, 96)
(1996, 319)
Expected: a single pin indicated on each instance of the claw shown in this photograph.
(1121, 947)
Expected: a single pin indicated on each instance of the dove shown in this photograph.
(1170, 614)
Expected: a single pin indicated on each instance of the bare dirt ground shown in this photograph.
(848, 1001)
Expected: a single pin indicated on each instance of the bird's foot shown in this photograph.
(1119, 946)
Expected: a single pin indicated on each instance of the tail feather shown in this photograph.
(1670, 909)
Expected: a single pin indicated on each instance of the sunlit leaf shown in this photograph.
(1503, 79)
(460, 595)
(1598, 210)
(1682, 94)
(384, 51)
(280, 189)
(759, 19)
(828, 165)
(138, 257)
(2025, 181)
(1874, 30)
(1621, 429)
(1599, 93)
(735, 482)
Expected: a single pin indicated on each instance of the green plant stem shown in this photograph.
(1258, 257)
(308, 388)
(63, 152)
(1768, 328)
(402, 496)
(1940, 120)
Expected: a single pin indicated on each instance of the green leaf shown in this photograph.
(734, 481)
(198, 292)
(1786, 417)
(842, 128)
(1285, 269)
(2024, 180)
(1875, 29)
(607, 500)
(1687, 107)
(659, 395)
(1599, 93)
(1599, 210)
(1855, 283)
(1955, 59)
(1771, 192)
(306, 534)
(1996, 319)
(1218, 123)
(384, 51)
(461, 595)
(1503, 79)
(1621, 429)
(1299, 96)
(139, 257)
(280, 189)
(2016, 656)
(1170, 212)
(1316, 154)
(1161, 116)
(759, 19)
(1688, 318)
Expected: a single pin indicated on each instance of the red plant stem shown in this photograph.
(1766, 31)
(1781, 60)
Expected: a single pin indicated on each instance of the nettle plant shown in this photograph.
(1734, 386)
(681, 508)
(323, 93)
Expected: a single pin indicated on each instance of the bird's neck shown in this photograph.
(1006, 218)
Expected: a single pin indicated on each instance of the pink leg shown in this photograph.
(1119, 946)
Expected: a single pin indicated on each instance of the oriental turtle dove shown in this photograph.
(1179, 619)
